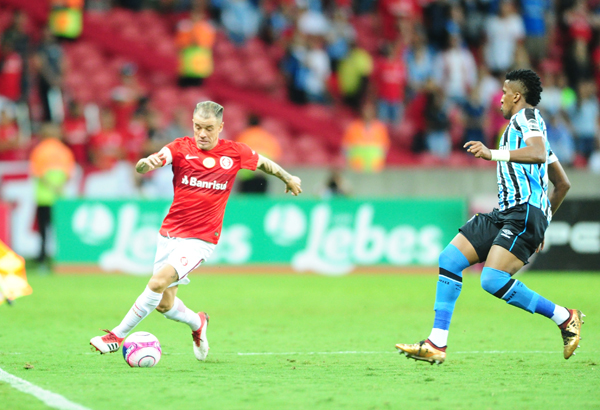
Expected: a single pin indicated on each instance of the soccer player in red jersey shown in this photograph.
(204, 169)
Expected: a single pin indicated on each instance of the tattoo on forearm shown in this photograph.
(272, 168)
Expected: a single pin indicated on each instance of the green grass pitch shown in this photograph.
(303, 342)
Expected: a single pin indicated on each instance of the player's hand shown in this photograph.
(293, 186)
(150, 163)
(478, 150)
(541, 247)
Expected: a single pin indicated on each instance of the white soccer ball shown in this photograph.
(141, 349)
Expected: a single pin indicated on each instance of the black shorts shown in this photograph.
(519, 229)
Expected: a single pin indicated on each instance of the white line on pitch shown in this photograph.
(53, 400)
(349, 352)
(307, 353)
(389, 352)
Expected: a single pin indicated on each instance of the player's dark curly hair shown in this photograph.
(532, 85)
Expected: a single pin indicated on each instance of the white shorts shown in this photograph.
(184, 254)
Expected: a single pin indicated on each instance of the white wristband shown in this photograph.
(500, 155)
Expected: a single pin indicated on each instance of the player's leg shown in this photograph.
(143, 306)
(496, 279)
(457, 256)
(173, 308)
(186, 256)
(470, 246)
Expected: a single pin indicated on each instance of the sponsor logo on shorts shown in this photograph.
(193, 181)
(506, 233)
(226, 162)
(184, 261)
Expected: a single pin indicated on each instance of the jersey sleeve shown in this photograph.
(528, 123)
(166, 151)
(248, 157)
(552, 157)
(171, 150)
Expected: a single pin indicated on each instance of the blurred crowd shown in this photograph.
(422, 75)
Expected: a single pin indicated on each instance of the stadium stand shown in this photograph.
(254, 75)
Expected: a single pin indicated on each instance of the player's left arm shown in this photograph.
(292, 183)
(533, 153)
(560, 181)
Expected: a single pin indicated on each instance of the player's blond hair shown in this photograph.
(207, 109)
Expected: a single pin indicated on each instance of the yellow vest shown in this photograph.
(195, 62)
(66, 22)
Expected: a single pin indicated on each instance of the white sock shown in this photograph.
(439, 337)
(180, 313)
(560, 315)
(145, 303)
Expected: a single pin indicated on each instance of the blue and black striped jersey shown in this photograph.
(524, 183)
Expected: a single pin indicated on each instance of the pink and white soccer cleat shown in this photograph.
(200, 340)
(109, 343)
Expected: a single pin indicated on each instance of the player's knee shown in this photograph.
(158, 284)
(492, 280)
(164, 307)
(452, 259)
(161, 280)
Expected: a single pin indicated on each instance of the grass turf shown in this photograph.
(498, 357)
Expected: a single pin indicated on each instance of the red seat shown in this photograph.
(132, 33)
(235, 116)
(253, 48)
(164, 47)
(274, 126)
(190, 97)
(241, 78)
(149, 20)
(403, 134)
(119, 18)
(224, 48)
(83, 94)
(311, 150)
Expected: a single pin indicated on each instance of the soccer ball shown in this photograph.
(141, 349)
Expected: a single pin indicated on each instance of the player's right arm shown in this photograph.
(533, 153)
(560, 181)
(154, 161)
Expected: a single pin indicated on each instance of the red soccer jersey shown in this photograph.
(202, 181)
(10, 76)
(390, 78)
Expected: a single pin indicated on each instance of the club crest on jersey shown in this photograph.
(226, 162)
(193, 181)
(209, 162)
(184, 261)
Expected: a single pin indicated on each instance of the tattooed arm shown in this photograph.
(292, 183)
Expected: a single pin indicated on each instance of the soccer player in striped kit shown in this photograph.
(204, 170)
(506, 237)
